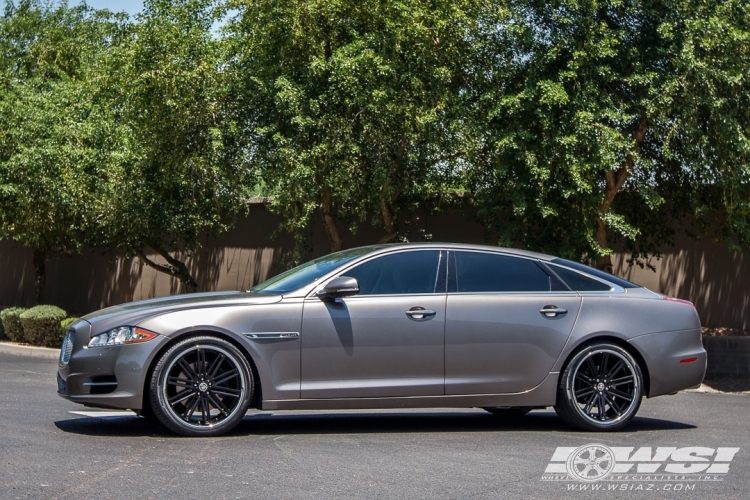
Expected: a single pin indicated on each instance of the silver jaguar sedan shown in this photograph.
(392, 326)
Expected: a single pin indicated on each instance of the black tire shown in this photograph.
(509, 413)
(184, 390)
(600, 389)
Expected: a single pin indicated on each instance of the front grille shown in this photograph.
(67, 347)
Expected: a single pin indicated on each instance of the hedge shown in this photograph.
(41, 325)
(12, 323)
(65, 323)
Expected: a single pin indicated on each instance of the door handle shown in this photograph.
(552, 311)
(420, 312)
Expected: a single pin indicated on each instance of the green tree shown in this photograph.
(175, 174)
(52, 133)
(353, 106)
(600, 98)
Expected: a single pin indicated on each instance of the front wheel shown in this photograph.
(600, 389)
(201, 386)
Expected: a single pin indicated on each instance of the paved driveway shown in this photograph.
(48, 451)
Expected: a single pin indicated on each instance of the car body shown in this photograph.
(392, 326)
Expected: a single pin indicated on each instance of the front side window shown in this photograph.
(398, 273)
(487, 272)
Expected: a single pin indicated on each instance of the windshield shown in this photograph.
(309, 272)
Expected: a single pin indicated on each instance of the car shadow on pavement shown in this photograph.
(287, 423)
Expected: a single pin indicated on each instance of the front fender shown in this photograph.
(277, 360)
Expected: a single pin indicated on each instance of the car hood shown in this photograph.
(131, 313)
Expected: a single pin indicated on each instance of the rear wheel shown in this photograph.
(600, 389)
(201, 386)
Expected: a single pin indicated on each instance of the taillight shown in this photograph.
(672, 299)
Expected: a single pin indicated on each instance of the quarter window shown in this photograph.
(486, 272)
(398, 273)
(579, 282)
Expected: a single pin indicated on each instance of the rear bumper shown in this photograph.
(663, 353)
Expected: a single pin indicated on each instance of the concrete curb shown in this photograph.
(29, 351)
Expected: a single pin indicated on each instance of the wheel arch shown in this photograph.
(632, 350)
(257, 398)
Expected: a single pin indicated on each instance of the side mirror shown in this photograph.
(343, 286)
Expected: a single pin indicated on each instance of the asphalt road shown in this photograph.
(48, 452)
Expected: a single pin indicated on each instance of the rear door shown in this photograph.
(498, 337)
(388, 340)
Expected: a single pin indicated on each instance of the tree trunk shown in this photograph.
(390, 229)
(174, 267)
(329, 219)
(614, 180)
(40, 275)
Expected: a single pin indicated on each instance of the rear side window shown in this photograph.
(486, 272)
(579, 282)
(398, 273)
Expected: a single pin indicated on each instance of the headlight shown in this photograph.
(121, 335)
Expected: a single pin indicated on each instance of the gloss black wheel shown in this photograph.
(202, 386)
(600, 389)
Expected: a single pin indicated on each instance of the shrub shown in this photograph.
(12, 323)
(41, 325)
(64, 324)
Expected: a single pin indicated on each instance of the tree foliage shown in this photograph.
(571, 125)
(175, 175)
(53, 135)
(353, 105)
(603, 97)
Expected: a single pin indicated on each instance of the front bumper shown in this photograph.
(106, 377)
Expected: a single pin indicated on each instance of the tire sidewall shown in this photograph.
(160, 407)
(567, 406)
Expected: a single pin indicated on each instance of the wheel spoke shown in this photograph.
(224, 377)
(584, 378)
(620, 394)
(215, 364)
(219, 405)
(201, 362)
(226, 391)
(614, 405)
(180, 382)
(190, 410)
(615, 369)
(603, 366)
(584, 392)
(622, 380)
(592, 367)
(180, 396)
(205, 412)
(187, 368)
(600, 407)
(587, 409)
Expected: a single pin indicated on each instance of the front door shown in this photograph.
(388, 340)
